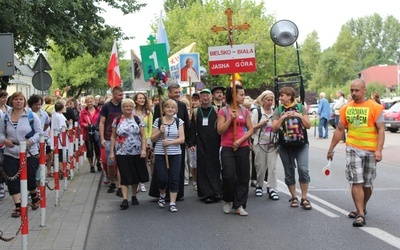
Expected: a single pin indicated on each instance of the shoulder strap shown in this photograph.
(259, 113)
(118, 119)
(137, 119)
(177, 123)
(280, 109)
(225, 110)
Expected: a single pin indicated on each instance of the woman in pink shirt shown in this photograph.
(235, 152)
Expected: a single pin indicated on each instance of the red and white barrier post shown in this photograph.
(77, 160)
(71, 150)
(42, 167)
(83, 149)
(56, 168)
(24, 193)
(64, 157)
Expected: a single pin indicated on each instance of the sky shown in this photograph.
(308, 15)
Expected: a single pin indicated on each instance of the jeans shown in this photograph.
(323, 125)
(171, 176)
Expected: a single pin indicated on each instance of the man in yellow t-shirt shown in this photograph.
(365, 138)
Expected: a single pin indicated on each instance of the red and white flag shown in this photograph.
(114, 77)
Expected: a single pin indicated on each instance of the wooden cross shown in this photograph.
(151, 38)
(230, 28)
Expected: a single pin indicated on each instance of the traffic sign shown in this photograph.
(6, 54)
(41, 64)
(41, 80)
(229, 60)
(154, 57)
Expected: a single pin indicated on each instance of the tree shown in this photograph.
(379, 43)
(171, 4)
(75, 26)
(193, 24)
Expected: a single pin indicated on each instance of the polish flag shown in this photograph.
(114, 77)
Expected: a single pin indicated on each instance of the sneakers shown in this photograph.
(135, 201)
(124, 205)
(227, 207)
(92, 170)
(111, 188)
(2, 192)
(161, 202)
(259, 192)
(240, 211)
(106, 180)
(195, 187)
(119, 192)
(172, 208)
(142, 187)
(186, 183)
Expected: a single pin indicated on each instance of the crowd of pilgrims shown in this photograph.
(137, 141)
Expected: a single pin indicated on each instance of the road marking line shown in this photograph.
(376, 232)
(382, 235)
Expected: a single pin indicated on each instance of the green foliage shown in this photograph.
(74, 25)
(193, 24)
(171, 4)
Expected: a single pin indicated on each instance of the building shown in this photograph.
(389, 75)
(22, 81)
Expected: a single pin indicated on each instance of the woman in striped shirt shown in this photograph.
(167, 135)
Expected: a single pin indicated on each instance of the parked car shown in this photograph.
(313, 109)
(392, 118)
(389, 102)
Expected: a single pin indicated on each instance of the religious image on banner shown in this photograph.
(189, 67)
(174, 69)
(137, 71)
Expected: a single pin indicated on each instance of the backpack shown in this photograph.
(176, 121)
(244, 111)
(292, 132)
(137, 119)
(258, 111)
(31, 122)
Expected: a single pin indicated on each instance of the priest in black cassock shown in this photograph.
(204, 136)
(173, 93)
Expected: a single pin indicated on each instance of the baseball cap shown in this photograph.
(205, 91)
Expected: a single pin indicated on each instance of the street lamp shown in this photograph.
(284, 33)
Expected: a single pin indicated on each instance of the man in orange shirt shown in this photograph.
(365, 138)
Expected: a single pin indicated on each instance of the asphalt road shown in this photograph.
(270, 224)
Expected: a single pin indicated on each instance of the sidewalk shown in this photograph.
(66, 224)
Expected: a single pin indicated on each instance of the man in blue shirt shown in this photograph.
(324, 113)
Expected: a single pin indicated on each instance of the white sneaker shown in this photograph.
(142, 187)
(227, 207)
(240, 211)
(106, 180)
(186, 183)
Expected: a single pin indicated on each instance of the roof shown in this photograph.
(24, 69)
(383, 74)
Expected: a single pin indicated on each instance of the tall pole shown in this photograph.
(230, 28)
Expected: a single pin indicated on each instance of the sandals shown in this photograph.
(259, 192)
(354, 214)
(50, 175)
(294, 202)
(273, 195)
(16, 212)
(305, 204)
(359, 222)
(172, 208)
(35, 202)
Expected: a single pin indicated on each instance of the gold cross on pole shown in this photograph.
(230, 28)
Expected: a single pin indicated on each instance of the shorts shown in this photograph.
(360, 167)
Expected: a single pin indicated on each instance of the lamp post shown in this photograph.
(285, 33)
